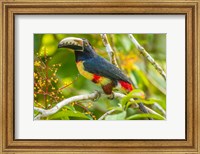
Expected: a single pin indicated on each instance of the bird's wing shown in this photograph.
(102, 67)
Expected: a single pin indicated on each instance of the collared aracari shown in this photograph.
(97, 69)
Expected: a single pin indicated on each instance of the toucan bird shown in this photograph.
(97, 69)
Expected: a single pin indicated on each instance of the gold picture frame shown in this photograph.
(10, 8)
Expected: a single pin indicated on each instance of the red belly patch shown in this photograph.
(127, 86)
(96, 78)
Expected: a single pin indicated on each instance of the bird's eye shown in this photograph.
(86, 44)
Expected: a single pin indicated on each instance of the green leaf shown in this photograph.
(36, 113)
(71, 108)
(148, 102)
(60, 115)
(76, 114)
(119, 116)
(136, 93)
(142, 77)
(89, 117)
(155, 100)
(140, 116)
(66, 114)
(116, 108)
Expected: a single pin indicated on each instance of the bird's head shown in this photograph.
(77, 44)
(82, 47)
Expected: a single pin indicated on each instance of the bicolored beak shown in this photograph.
(72, 43)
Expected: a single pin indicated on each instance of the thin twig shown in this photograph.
(109, 50)
(153, 112)
(147, 56)
(61, 88)
(47, 78)
(86, 109)
(105, 114)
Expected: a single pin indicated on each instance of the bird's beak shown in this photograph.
(72, 43)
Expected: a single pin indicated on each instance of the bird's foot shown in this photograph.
(98, 95)
(111, 96)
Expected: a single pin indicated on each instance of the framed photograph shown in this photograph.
(99, 76)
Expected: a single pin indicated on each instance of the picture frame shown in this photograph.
(7, 106)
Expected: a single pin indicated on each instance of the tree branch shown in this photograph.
(46, 113)
(109, 50)
(147, 56)
(94, 95)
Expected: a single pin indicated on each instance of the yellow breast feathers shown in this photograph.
(84, 73)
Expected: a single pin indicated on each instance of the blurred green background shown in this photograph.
(56, 76)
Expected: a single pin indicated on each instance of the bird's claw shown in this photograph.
(111, 96)
(98, 95)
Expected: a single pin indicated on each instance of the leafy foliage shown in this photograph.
(56, 77)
